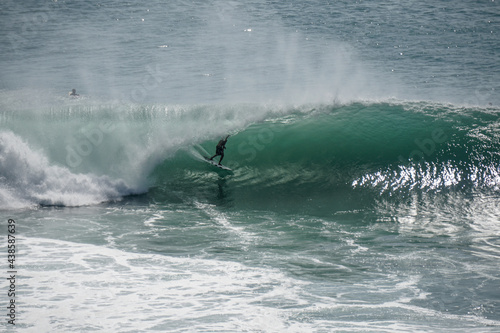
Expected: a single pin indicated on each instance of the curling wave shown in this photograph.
(83, 152)
(324, 153)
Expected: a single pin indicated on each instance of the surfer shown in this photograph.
(219, 150)
(73, 93)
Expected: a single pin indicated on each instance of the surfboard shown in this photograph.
(214, 163)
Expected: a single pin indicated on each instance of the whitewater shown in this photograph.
(365, 166)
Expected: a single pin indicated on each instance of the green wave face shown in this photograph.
(330, 156)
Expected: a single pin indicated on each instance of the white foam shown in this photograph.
(28, 179)
(73, 287)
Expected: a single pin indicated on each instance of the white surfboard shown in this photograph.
(214, 163)
(199, 153)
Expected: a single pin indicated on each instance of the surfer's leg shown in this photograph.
(221, 157)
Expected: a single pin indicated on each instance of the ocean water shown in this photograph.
(365, 154)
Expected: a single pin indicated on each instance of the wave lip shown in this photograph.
(28, 179)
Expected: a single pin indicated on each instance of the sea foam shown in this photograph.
(28, 179)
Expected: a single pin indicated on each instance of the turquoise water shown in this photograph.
(364, 150)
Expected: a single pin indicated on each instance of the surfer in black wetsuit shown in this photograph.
(219, 150)
(73, 93)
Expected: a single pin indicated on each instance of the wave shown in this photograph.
(336, 153)
(82, 152)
